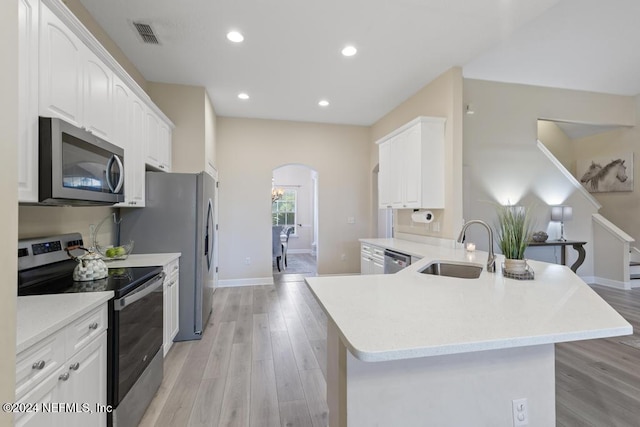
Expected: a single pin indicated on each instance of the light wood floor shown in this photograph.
(598, 381)
(262, 362)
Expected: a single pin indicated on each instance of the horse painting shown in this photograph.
(612, 177)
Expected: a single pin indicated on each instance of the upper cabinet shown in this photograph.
(65, 73)
(28, 12)
(411, 160)
(62, 56)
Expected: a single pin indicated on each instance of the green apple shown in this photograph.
(111, 252)
(120, 251)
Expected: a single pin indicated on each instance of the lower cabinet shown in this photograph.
(171, 303)
(371, 259)
(64, 376)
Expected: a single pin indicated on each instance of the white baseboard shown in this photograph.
(299, 251)
(254, 281)
(617, 284)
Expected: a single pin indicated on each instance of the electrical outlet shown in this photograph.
(247, 260)
(351, 220)
(435, 226)
(520, 412)
(343, 257)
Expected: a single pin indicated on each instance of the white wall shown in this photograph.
(249, 150)
(9, 205)
(298, 178)
(440, 98)
(503, 164)
(621, 208)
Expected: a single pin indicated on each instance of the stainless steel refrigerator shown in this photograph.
(178, 217)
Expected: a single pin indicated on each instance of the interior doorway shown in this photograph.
(294, 219)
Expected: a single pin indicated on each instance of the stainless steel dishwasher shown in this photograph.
(395, 261)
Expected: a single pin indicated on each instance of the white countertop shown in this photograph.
(410, 314)
(145, 260)
(40, 315)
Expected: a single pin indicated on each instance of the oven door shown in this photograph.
(76, 167)
(137, 335)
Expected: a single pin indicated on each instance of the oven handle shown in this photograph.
(140, 293)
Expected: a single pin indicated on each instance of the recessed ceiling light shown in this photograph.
(349, 50)
(235, 36)
(243, 95)
(323, 103)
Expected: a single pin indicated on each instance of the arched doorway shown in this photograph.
(294, 217)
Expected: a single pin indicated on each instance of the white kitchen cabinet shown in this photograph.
(171, 296)
(62, 56)
(98, 107)
(164, 149)
(158, 143)
(28, 12)
(411, 159)
(129, 130)
(67, 367)
(371, 259)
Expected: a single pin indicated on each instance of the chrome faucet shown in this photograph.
(491, 261)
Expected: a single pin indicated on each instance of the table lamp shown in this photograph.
(561, 214)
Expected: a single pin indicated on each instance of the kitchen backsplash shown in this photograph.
(38, 221)
(404, 223)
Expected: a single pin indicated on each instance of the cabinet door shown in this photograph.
(377, 266)
(48, 392)
(384, 175)
(174, 294)
(166, 320)
(164, 147)
(411, 171)
(137, 145)
(87, 383)
(98, 108)
(152, 150)
(61, 63)
(28, 100)
(396, 170)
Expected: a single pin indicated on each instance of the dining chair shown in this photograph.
(276, 244)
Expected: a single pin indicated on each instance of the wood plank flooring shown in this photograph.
(262, 362)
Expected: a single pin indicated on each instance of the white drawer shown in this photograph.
(38, 361)
(379, 252)
(366, 249)
(85, 329)
(172, 267)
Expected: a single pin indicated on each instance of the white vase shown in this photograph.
(516, 266)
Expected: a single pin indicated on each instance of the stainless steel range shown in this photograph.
(134, 335)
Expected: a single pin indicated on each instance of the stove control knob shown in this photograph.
(64, 376)
(38, 365)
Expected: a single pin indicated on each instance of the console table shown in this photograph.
(578, 246)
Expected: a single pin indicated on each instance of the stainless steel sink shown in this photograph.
(461, 270)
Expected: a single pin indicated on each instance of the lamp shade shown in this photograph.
(561, 213)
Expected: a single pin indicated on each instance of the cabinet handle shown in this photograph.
(161, 166)
(389, 206)
(38, 365)
(64, 376)
(74, 366)
(94, 325)
(175, 267)
(173, 282)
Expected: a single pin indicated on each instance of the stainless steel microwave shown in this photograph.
(76, 167)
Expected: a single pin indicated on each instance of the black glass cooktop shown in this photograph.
(58, 278)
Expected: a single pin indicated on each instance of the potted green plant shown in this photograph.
(514, 232)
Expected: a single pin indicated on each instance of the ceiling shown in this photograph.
(290, 58)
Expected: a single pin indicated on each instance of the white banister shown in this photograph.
(611, 253)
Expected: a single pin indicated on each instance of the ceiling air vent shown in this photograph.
(146, 33)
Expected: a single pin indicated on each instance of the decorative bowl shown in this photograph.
(539, 236)
(113, 253)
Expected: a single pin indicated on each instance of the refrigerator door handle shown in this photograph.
(208, 238)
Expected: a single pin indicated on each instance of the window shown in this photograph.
(283, 210)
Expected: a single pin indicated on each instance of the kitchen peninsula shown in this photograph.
(414, 349)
